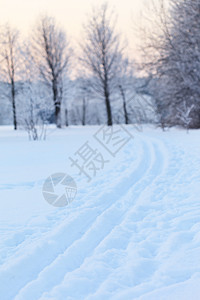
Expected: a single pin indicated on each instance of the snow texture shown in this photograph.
(133, 232)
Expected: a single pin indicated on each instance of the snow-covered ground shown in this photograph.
(132, 232)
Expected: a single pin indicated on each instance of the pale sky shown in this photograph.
(69, 13)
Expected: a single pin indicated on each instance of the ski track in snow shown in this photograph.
(120, 241)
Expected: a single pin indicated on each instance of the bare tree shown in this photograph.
(184, 113)
(126, 87)
(10, 62)
(52, 53)
(83, 94)
(101, 55)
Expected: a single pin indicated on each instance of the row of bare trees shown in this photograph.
(44, 58)
(47, 59)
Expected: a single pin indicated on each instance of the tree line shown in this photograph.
(46, 60)
(37, 71)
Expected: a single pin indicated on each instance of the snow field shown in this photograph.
(132, 233)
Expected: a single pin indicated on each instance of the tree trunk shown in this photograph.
(57, 115)
(108, 109)
(84, 112)
(57, 104)
(66, 117)
(14, 106)
(124, 105)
